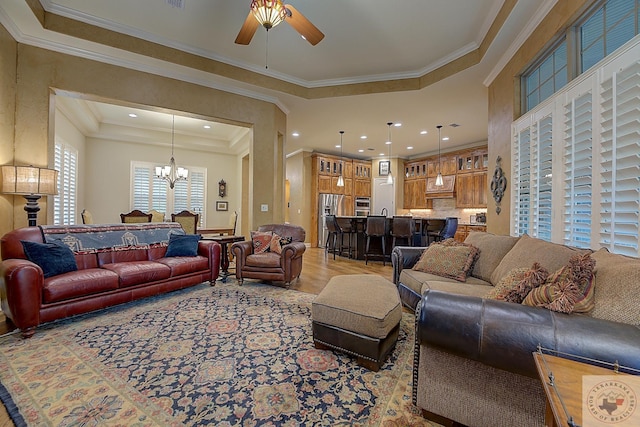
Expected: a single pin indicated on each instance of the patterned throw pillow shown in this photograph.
(447, 260)
(517, 284)
(568, 290)
(261, 241)
(277, 242)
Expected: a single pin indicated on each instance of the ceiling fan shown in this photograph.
(270, 13)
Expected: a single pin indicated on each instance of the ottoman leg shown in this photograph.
(368, 364)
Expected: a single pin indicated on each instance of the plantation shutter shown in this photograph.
(542, 180)
(522, 181)
(197, 196)
(159, 193)
(141, 185)
(578, 171)
(64, 203)
(620, 162)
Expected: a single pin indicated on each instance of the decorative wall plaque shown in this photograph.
(498, 184)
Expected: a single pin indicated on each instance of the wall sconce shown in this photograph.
(31, 182)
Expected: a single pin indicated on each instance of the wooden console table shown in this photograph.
(562, 382)
(224, 251)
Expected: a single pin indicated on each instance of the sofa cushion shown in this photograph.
(476, 289)
(264, 259)
(183, 245)
(491, 249)
(516, 285)
(616, 288)
(415, 280)
(277, 242)
(185, 264)
(528, 250)
(568, 290)
(135, 273)
(53, 259)
(261, 241)
(446, 260)
(79, 283)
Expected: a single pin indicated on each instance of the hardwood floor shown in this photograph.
(317, 269)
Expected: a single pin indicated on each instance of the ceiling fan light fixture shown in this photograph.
(269, 13)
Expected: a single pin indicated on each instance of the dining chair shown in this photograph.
(135, 216)
(87, 218)
(188, 221)
(233, 221)
(156, 216)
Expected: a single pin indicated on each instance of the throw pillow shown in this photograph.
(277, 242)
(183, 245)
(517, 284)
(51, 258)
(261, 241)
(452, 261)
(568, 290)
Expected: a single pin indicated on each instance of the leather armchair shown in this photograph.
(271, 266)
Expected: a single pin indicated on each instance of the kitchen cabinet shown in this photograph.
(447, 163)
(414, 194)
(471, 190)
(464, 229)
(472, 161)
(361, 178)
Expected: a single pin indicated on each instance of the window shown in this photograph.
(547, 78)
(604, 29)
(150, 192)
(576, 161)
(64, 203)
(608, 28)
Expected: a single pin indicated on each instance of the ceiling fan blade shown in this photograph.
(303, 26)
(248, 29)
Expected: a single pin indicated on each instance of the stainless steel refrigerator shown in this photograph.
(329, 204)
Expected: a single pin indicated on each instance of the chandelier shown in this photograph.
(269, 13)
(171, 173)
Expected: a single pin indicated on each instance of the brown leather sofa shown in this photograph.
(271, 266)
(104, 276)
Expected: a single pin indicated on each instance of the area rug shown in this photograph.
(226, 355)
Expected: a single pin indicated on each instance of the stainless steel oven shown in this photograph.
(363, 206)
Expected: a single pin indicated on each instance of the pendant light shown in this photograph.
(439, 181)
(390, 176)
(171, 173)
(340, 178)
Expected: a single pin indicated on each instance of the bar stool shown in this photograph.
(434, 230)
(376, 228)
(403, 228)
(332, 237)
(450, 228)
(345, 228)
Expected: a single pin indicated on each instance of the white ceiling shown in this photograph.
(365, 40)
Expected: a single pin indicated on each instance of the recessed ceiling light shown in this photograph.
(338, 146)
(361, 150)
(382, 154)
(133, 115)
(423, 132)
(397, 124)
(446, 138)
(363, 137)
(207, 126)
(388, 142)
(295, 134)
(409, 148)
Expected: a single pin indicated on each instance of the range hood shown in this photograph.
(445, 191)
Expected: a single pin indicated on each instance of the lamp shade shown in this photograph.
(27, 180)
(269, 13)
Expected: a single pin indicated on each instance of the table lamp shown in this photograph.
(31, 182)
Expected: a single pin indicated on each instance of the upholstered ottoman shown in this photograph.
(360, 315)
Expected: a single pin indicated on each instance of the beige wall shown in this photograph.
(8, 49)
(504, 100)
(299, 177)
(39, 73)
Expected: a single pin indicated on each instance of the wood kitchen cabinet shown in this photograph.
(361, 178)
(448, 165)
(471, 190)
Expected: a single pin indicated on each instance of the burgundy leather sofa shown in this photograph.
(105, 276)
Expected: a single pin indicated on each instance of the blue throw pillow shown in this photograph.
(51, 258)
(183, 245)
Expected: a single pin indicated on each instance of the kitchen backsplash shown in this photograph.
(443, 208)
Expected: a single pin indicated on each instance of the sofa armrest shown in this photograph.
(504, 335)
(211, 250)
(21, 284)
(404, 257)
(241, 250)
(293, 250)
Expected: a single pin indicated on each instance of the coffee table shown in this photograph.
(224, 241)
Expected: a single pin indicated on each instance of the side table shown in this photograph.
(224, 241)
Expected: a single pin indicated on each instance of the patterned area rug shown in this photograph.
(224, 355)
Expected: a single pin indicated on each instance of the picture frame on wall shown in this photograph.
(383, 168)
(222, 206)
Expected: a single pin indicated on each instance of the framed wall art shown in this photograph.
(384, 168)
(222, 206)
